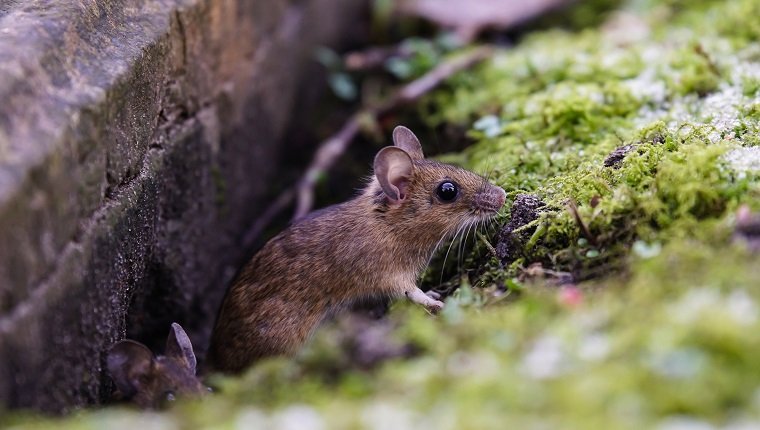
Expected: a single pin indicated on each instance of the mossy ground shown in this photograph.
(661, 327)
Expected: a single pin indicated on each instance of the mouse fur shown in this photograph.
(374, 245)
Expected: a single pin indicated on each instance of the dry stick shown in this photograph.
(374, 57)
(331, 149)
(263, 221)
(573, 208)
(327, 153)
(335, 146)
(700, 50)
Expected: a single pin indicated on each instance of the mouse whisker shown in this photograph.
(435, 248)
(486, 178)
(443, 266)
(459, 253)
(489, 225)
(444, 237)
(467, 235)
(463, 246)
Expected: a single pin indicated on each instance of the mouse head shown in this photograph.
(436, 196)
(153, 381)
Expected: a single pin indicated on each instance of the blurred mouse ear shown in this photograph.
(129, 363)
(406, 140)
(179, 347)
(393, 169)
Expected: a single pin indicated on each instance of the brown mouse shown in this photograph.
(152, 381)
(375, 245)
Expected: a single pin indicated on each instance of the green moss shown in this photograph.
(692, 71)
(630, 355)
(559, 103)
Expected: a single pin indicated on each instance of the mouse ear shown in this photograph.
(179, 347)
(406, 140)
(393, 169)
(129, 363)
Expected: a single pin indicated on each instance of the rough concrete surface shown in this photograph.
(137, 141)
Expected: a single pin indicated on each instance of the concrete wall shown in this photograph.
(138, 140)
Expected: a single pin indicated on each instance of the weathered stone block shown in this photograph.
(137, 139)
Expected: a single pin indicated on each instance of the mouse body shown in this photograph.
(375, 245)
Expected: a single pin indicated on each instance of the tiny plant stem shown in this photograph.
(488, 245)
(265, 219)
(573, 209)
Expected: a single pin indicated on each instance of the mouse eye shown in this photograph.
(447, 191)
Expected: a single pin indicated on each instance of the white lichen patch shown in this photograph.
(680, 363)
(744, 160)
(546, 359)
(647, 87)
(468, 365)
(383, 415)
(721, 110)
(697, 304)
(684, 423)
(594, 347)
(298, 417)
(251, 419)
(741, 307)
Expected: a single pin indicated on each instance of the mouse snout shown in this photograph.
(491, 199)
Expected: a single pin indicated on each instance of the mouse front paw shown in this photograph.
(434, 306)
(431, 304)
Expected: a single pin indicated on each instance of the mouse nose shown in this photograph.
(491, 199)
(502, 198)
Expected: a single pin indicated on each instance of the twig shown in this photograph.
(417, 88)
(263, 221)
(573, 209)
(332, 148)
(700, 50)
(374, 57)
(327, 153)
(488, 245)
